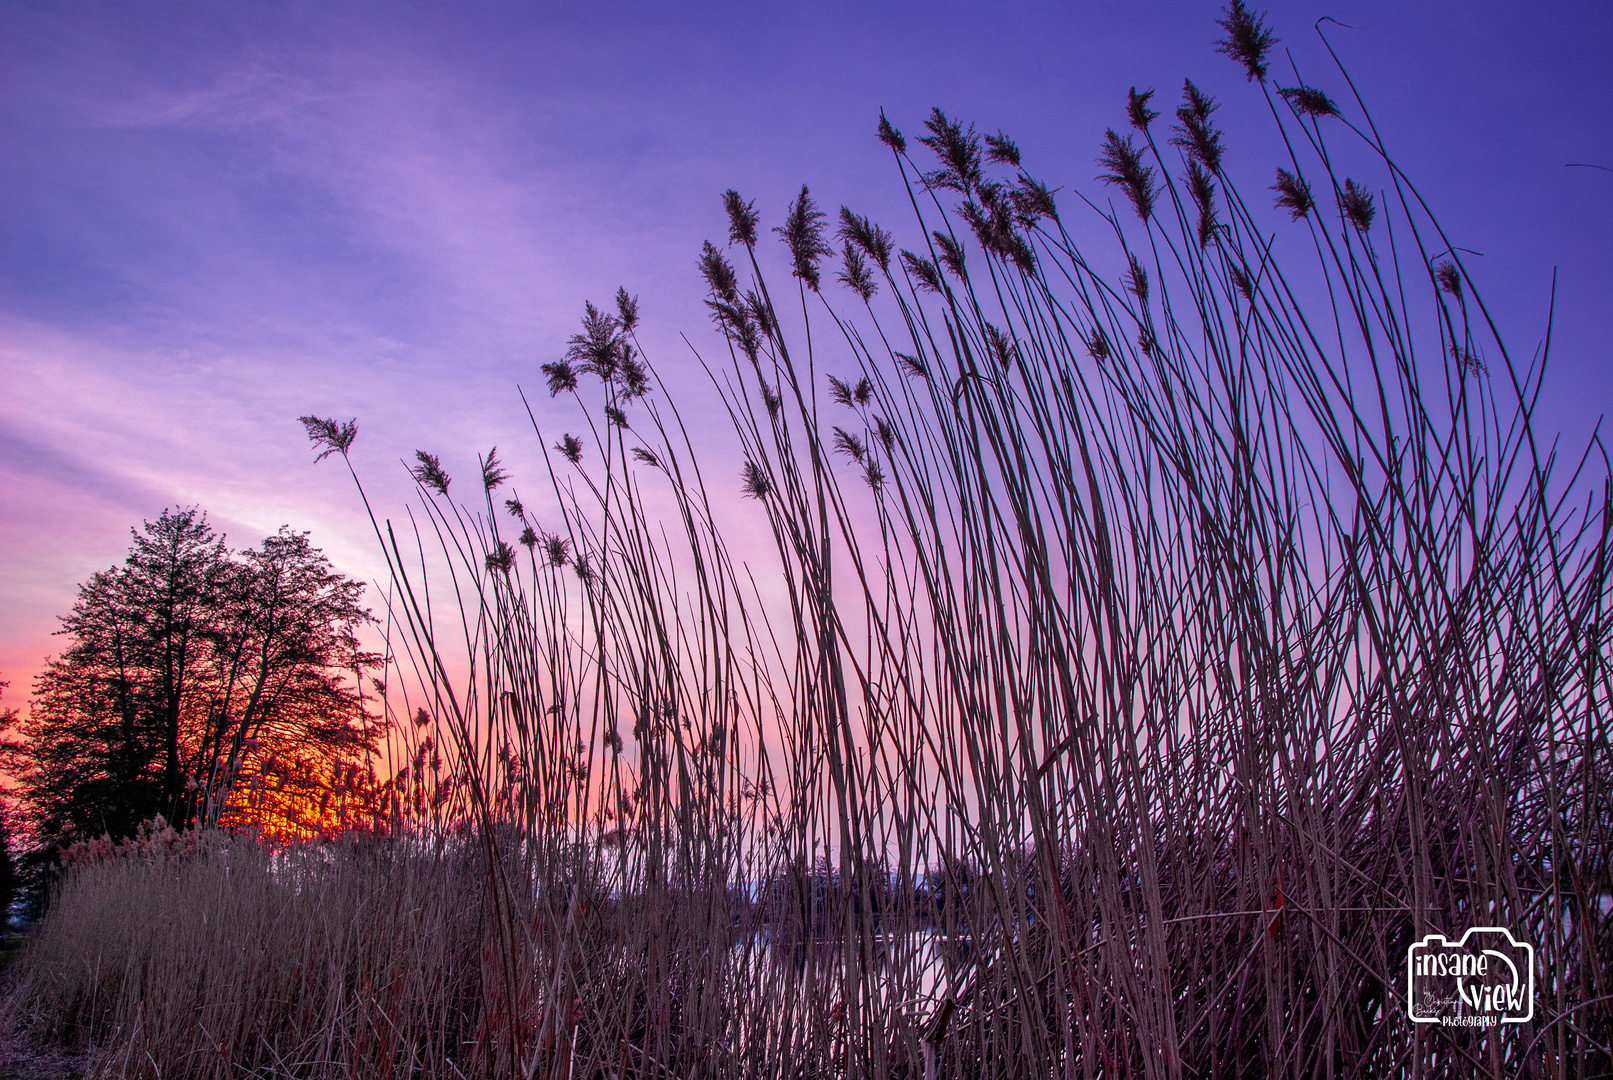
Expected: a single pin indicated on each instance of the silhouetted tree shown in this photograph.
(192, 671)
(8, 864)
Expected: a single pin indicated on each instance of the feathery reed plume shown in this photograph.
(1136, 278)
(755, 481)
(600, 349)
(719, 274)
(1356, 204)
(993, 220)
(890, 136)
(854, 273)
(742, 218)
(1449, 278)
(1126, 170)
(803, 235)
(429, 472)
(1137, 110)
(557, 550)
(1242, 282)
(885, 434)
(1293, 193)
(924, 270)
(952, 253)
(1097, 343)
(1247, 41)
(1002, 150)
(1001, 347)
(759, 312)
(1193, 131)
(870, 239)
(1308, 101)
(839, 391)
(850, 445)
(502, 558)
(626, 310)
(493, 473)
(1202, 190)
(329, 436)
(633, 378)
(958, 150)
(1033, 201)
(561, 376)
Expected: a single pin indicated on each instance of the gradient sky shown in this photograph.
(215, 217)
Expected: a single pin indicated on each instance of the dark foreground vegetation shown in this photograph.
(1166, 634)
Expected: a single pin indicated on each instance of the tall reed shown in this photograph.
(1169, 636)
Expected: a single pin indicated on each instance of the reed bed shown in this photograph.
(1164, 633)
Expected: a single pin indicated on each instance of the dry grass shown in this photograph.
(240, 958)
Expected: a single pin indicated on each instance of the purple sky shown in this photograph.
(216, 217)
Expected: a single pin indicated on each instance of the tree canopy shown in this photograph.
(8, 867)
(201, 683)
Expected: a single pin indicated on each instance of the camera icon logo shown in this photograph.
(1485, 978)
